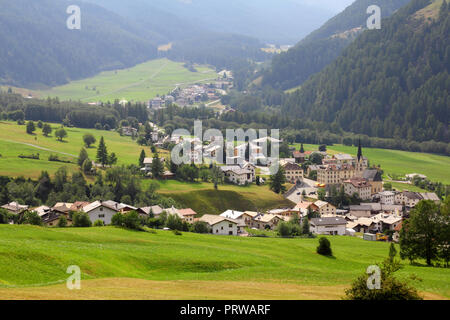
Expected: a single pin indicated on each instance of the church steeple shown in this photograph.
(359, 151)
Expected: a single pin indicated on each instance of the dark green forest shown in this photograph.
(321, 47)
(16, 108)
(390, 83)
(37, 48)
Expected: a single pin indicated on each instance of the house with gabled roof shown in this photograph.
(221, 225)
(102, 210)
(15, 207)
(328, 225)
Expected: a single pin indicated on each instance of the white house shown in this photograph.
(387, 197)
(221, 225)
(408, 198)
(103, 211)
(238, 175)
(328, 226)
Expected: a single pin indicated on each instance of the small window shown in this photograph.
(230, 225)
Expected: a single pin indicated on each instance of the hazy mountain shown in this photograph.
(389, 83)
(274, 21)
(38, 48)
(322, 46)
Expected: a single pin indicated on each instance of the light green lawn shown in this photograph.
(13, 140)
(139, 83)
(33, 255)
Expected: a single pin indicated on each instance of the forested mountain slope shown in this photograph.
(389, 83)
(37, 47)
(312, 54)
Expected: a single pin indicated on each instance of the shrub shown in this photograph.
(174, 222)
(117, 220)
(200, 227)
(62, 222)
(132, 221)
(31, 218)
(4, 216)
(324, 247)
(177, 233)
(284, 229)
(390, 287)
(81, 220)
(99, 223)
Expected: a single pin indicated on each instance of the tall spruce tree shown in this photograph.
(102, 153)
(157, 167)
(142, 158)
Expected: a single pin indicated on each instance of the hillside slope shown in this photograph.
(38, 49)
(321, 47)
(390, 83)
(109, 252)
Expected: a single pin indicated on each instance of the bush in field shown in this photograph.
(31, 218)
(284, 229)
(62, 222)
(174, 222)
(390, 288)
(4, 216)
(81, 220)
(117, 220)
(131, 220)
(200, 227)
(99, 223)
(324, 247)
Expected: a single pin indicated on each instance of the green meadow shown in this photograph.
(38, 257)
(14, 141)
(204, 199)
(435, 167)
(139, 83)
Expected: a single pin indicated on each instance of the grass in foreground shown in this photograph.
(33, 255)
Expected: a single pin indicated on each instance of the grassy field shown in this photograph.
(204, 199)
(126, 264)
(15, 141)
(435, 167)
(139, 83)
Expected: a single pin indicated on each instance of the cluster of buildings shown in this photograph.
(387, 214)
(192, 94)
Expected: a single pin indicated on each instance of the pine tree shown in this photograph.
(102, 153)
(302, 149)
(277, 181)
(157, 167)
(142, 158)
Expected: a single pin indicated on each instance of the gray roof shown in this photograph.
(327, 221)
(361, 208)
(372, 175)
